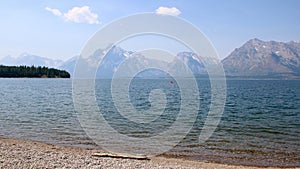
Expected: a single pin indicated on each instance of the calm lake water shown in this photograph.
(260, 124)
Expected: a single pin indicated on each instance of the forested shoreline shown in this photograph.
(31, 72)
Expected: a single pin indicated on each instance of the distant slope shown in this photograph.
(257, 58)
(69, 65)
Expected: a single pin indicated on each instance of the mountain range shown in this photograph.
(254, 59)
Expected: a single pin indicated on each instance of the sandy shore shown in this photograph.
(15, 153)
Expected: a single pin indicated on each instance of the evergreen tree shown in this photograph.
(32, 72)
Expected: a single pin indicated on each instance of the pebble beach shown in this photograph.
(17, 153)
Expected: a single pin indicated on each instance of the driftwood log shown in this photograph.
(125, 156)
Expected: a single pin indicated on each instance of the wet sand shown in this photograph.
(16, 153)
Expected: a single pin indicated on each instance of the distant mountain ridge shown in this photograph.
(257, 58)
(117, 55)
(254, 59)
(26, 59)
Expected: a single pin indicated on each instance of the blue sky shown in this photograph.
(31, 26)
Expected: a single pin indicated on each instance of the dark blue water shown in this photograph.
(260, 124)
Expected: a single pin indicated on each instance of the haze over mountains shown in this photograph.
(254, 59)
(29, 60)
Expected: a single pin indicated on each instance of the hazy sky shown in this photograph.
(60, 28)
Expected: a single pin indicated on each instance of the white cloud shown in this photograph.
(77, 15)
(168, 11)
(81, 15)
(55, 12)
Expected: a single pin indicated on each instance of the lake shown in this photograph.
(260, 124)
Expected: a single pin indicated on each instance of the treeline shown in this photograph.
(32, 72)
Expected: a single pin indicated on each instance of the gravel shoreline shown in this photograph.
(17, 153)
